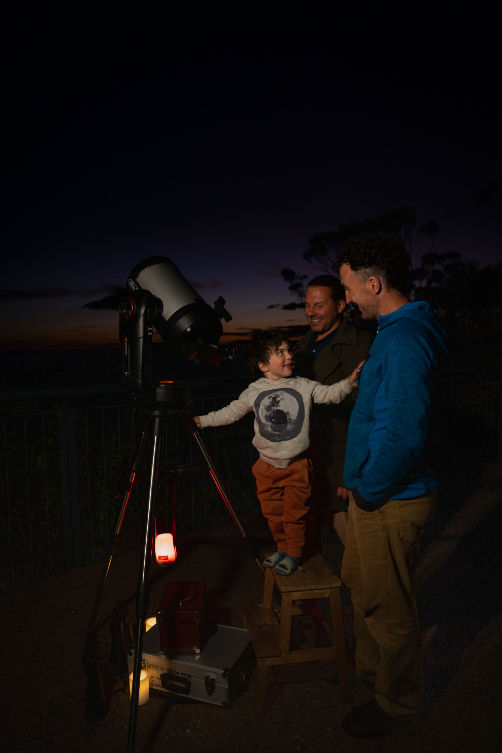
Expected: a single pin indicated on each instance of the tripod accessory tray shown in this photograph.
(180, 617)
(214, 676)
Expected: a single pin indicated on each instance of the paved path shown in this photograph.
(42, 683)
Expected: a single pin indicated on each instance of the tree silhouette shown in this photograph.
(465, 296)
(491, 200)
(323, 248)
(467, 299)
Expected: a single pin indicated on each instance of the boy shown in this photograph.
(282, 405)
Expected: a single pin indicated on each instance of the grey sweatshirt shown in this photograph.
(282, 414)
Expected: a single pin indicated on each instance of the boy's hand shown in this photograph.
(354, 377)
(197, 420)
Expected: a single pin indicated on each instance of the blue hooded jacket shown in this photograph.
(388, 426)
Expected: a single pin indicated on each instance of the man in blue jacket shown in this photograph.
(387, 471)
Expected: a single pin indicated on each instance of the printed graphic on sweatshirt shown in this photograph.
(280, 414)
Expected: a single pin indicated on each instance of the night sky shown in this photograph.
(223, 135)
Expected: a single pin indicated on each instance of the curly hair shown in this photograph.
(380, 256)
(261, 346)
(336, 290)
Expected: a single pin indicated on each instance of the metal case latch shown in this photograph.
(210, 684)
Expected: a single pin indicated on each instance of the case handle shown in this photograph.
(175, 684)
(192, 591)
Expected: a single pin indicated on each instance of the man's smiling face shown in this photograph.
(359, 293)
(322, 313)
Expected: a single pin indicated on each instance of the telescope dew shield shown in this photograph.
(184, 318)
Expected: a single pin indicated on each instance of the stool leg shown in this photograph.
(316, 632)
(341, 654)
(286, 611)
(268, 589)
(260, 691)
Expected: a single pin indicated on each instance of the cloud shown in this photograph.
(295, 330)
(287, 306)
(12, 294)
(109, 302)
(273, 270)
(205, 285)
(242, 332)
(292, 330)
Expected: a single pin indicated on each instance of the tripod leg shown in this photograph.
(144, 574)
(248, 541)
(115, 539)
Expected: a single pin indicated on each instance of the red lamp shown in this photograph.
(165, 551)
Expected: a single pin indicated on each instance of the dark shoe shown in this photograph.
(369, 720)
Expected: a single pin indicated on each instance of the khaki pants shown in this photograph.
(340, 523)
(380, 551)
(284, 495)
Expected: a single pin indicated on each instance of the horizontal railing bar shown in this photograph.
(91, 389)
(97, 389)
(473, 369)
(102, 407)
(106, 389)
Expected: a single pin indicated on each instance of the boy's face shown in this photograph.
(279, 364)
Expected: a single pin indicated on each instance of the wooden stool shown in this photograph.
(272, 642)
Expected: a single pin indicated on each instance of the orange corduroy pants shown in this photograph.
(284, 495)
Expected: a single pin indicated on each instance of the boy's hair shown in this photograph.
(262, 345)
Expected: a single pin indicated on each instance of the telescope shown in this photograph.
(159, 298)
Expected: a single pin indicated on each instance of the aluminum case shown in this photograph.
(226, 662)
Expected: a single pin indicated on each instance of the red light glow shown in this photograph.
(165, 551)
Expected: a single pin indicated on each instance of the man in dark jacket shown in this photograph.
(329, 352)
(392, 493)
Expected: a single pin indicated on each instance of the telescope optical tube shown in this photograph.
(186, 319)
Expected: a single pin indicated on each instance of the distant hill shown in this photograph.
(29, 369)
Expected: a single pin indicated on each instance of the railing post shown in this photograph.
(69, 487)
(499, 423)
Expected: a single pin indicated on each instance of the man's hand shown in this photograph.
(343, 492)
(197, 420)
(354, 377)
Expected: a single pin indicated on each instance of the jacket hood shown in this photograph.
(418, 311)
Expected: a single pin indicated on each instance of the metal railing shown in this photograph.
(58, 473)
(469, 435)
(59, 467)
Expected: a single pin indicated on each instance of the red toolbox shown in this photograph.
(180, 617)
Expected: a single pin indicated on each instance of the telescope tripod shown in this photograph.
(156, 416)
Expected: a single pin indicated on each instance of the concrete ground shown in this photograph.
(43, 684)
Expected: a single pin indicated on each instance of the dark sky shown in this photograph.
(222, 135)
